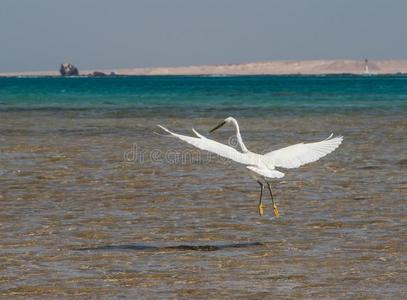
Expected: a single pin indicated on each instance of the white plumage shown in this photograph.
(300, 154)
(263, 166)
(289, 157)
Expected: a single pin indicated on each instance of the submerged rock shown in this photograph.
(67, 69)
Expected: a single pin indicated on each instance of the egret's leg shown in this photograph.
(276, 213)
(261, 206)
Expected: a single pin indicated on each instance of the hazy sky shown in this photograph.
(40, 34)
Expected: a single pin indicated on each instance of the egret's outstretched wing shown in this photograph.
(301, 154)
(204, 143)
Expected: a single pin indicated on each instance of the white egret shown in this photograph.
(263, 166)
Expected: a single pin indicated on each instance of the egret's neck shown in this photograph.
(239, 137)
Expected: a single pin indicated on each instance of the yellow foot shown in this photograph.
(261, 210)
(276, 213)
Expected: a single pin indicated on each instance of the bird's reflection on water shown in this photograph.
(142, 247)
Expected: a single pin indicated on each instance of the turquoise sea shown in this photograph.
(182, 95)
(95, 204)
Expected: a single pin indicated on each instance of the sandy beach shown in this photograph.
(292, 67)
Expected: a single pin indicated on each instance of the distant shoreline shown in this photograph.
(300, 67)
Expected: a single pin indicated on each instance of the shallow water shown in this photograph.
(94, 204)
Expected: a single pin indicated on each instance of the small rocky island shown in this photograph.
(101, 74)
(98, 74)
(68, 69)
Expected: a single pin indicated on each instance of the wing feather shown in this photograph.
(204, 143)
(302, 153)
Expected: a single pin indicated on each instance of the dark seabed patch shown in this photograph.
(138, 247)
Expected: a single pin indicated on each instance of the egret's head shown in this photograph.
(227, 120)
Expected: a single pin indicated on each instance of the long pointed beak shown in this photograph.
(217, 126)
